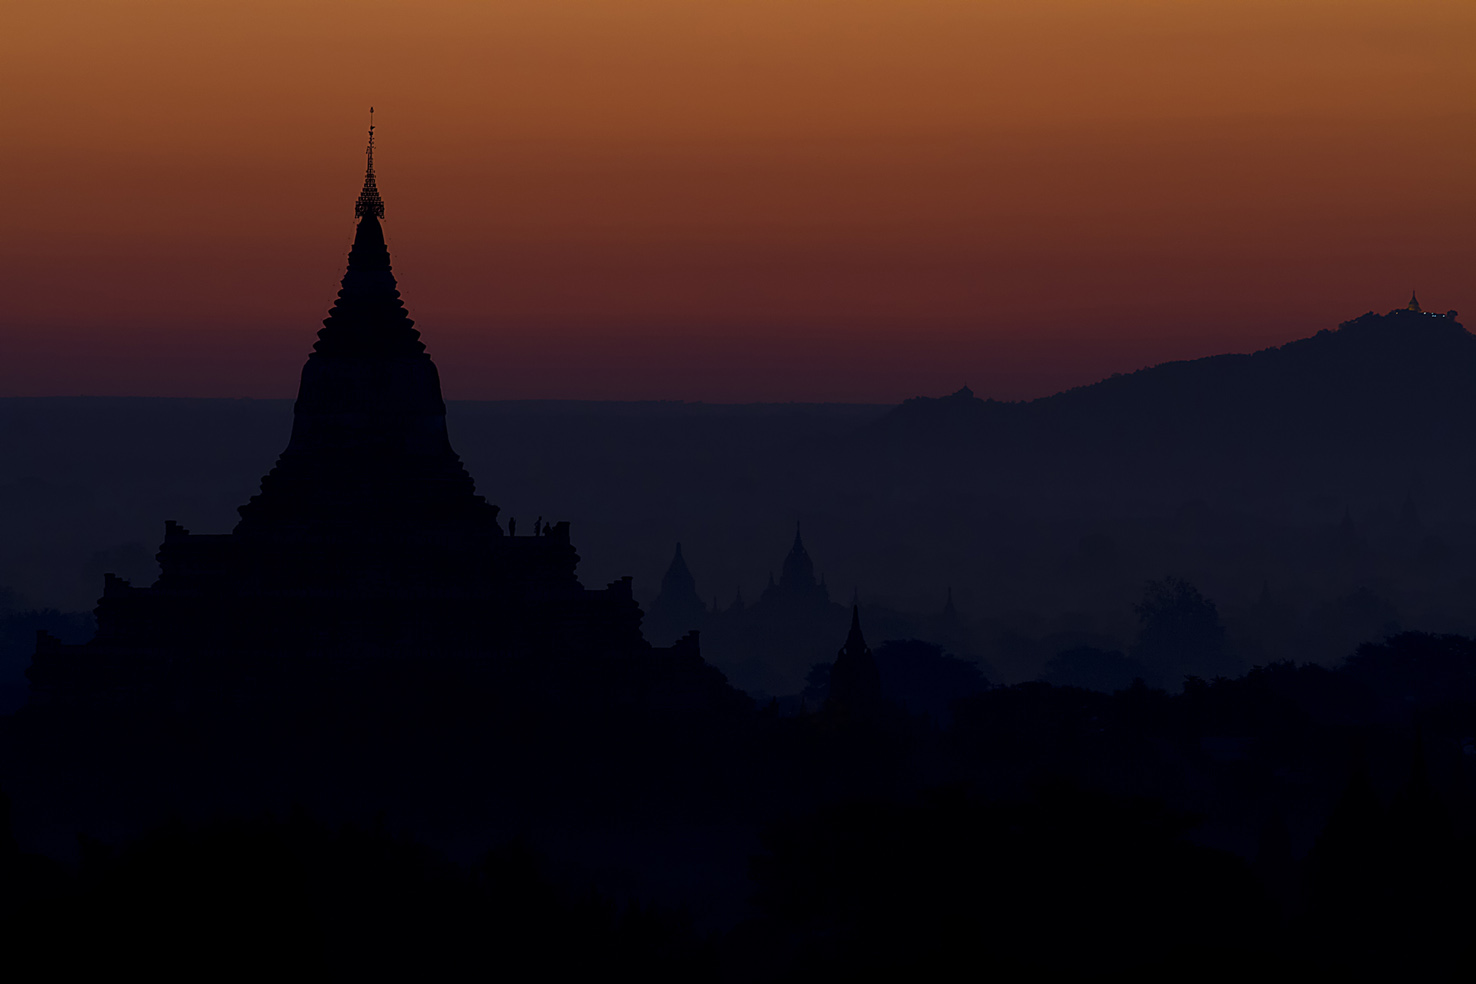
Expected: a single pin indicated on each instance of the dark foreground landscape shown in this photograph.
(356, 825)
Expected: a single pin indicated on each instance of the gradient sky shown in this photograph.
(856, 200)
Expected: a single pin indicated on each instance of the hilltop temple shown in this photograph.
(367, 539)
(1413, 307)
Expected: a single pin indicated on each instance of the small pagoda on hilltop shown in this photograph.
(1413, 307)
(366, 541)
(1407, 322)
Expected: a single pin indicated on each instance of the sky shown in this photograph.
(753, 200)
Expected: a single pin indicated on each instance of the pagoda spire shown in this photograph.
(799, 570)
(369, 448)
(369, 202)
(855, 641)
(1414, 303)
(855, 684)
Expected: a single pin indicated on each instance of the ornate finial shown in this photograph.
(369, 202)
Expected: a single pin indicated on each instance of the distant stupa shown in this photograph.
(855, 684)
(678, 609)
(367, 540)
(797, 582)
(1414, 304)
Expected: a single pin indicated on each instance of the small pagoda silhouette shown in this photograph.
(677, 609)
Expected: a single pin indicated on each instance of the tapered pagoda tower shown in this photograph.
(367, 540)
(369, 450)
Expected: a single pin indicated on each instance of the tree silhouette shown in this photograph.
(1179, 634)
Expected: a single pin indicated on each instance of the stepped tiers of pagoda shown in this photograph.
(369, 455)
(367, 539)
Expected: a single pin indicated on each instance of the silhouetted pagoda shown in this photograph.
(367, 539)
(768, 647)
(797, 585)
(677, 609)
(855, 683)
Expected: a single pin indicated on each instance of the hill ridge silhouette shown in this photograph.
(1383, 374)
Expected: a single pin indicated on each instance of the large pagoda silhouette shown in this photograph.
(367, 539)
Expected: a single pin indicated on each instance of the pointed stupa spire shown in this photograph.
(798, 572)
(368, 312)
(369, 202)
(855, 684)
(678, 607)
(855, 641)
(678, 580)
(1414, 304)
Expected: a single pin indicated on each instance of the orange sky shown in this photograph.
(745, 200)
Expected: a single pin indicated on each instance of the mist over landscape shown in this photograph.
(1314, 492)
